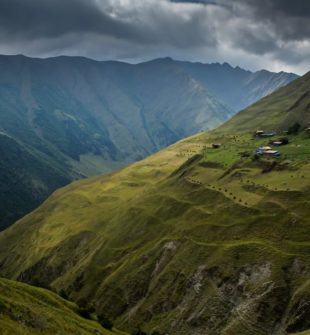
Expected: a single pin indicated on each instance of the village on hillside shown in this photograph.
(270, 149)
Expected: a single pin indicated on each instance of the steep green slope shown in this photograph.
(117, 111)
(26, 310)
(281, 110)
(192, 240)
(86, 117)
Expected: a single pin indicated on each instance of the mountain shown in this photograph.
(191, 240)
(74, 117)
(236, 87)
(26, 177)
(286, 106)
(27, 310)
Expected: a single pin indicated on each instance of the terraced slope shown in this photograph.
(86, 118)
(76, 117)
(192, 240)
(26, 310)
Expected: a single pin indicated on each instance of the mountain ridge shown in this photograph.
(192, 239)
(88, 117)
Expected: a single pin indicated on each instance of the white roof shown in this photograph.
(271, 152)
(266, 148)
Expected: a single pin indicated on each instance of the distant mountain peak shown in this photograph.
(204, 237)
(227, 65)
(74, 116)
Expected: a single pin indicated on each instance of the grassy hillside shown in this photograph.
(279, 111)
(83, 118)
(26, 310)
(86, 117)
(192, 240)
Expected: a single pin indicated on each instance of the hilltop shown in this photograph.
(286, 106)
(73, 117)
(191, 240)
(27, 310)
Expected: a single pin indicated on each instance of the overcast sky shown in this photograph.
(254, 34)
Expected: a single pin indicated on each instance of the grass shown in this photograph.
(28, 310)
(277, 111)
(220, 212)
(188, 240)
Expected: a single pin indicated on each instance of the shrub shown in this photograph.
(284, 140)
(105, 322)
(63, 294)
(294, 129)
(255, 157)
(84, 313)
(138, 331)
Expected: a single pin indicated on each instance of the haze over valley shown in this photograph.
(154, 167)
(68, 118)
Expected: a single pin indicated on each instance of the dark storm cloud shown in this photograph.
(266, 8)
(22, 19)
(289, 19)
(205, 30)
(45, 18)
(204, 2)
(276, 27)
(287, 8)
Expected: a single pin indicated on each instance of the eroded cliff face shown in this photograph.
(180, 256)
(222, 295)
